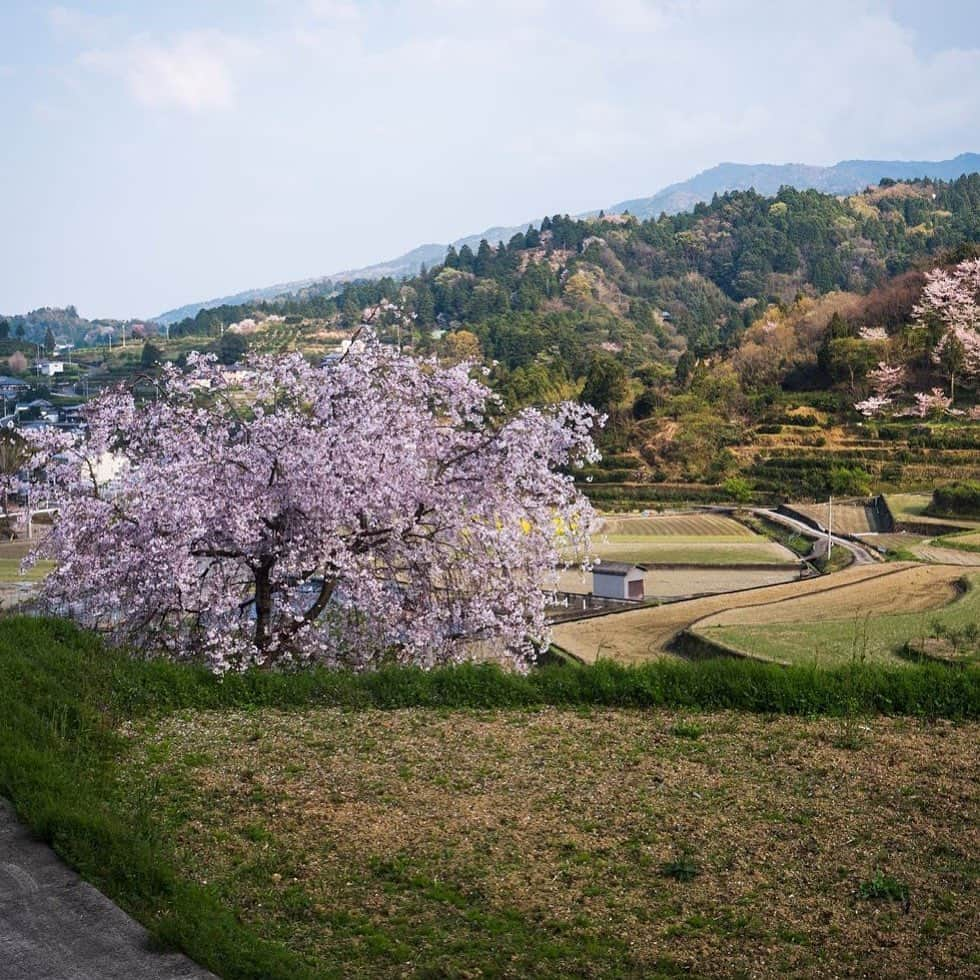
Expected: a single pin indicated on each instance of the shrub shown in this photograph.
(961, 498)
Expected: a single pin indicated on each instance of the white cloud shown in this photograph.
(197, 71)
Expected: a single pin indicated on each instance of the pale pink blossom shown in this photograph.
(872, 406)
(375, 509)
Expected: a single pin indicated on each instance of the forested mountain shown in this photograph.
(648, 288)
(845, 177)
(842, 178)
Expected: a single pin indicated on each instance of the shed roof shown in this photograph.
(619, 568)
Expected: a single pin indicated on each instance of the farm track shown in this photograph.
(645, 634)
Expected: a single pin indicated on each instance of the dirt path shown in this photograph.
(644, 634)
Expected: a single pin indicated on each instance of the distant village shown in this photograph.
(25, 407)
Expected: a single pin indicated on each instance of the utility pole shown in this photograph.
(830, 525)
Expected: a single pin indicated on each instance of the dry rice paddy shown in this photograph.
(641, 634)
(697, 539)
(871, 620)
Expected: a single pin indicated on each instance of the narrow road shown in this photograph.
(862, 556)
(54, 926)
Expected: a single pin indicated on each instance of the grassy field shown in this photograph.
(555, 843)
(685, 539)
(464, 822)
(912, 507)
(908, 506)
(808, 631)
(11, 555)
(11, 574)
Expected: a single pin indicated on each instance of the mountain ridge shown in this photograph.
(843, 177)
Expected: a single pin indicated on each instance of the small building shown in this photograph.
(617, 580)
(50, 368)
(12, 387)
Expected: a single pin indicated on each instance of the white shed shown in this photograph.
(617, 580)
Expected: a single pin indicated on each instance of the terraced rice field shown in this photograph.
(677, 525)
(692, 580)
(686, 539)
(912, 506)
(939, 555)
(867, 620)
(900, 540)
(643, 634)
(848, 518)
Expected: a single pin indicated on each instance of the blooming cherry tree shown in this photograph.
(886, 379)
(872, 406)
(379, 508)
(935, 402)
(950, 304)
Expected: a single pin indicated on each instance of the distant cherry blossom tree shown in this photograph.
(873, 406)
(873, 334)
(379, 508)
(935, 402)
(950, 307)
(886, 380)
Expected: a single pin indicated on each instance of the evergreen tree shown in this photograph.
(483, 264)
(606, 384)
(466, 259)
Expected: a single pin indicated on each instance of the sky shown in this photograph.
(156, 154)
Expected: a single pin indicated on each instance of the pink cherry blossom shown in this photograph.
(379, 508)
(886, 379)
(872, 406)
(935, 402)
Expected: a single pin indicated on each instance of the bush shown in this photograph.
(962, 499)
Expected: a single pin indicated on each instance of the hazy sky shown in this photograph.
(160, 153)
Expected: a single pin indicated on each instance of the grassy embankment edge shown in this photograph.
(63, 696)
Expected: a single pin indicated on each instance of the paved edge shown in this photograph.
(55, 926)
